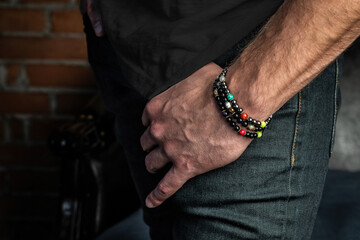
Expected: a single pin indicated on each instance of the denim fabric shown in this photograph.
(272, 191)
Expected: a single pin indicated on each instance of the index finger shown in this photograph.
(170, 184)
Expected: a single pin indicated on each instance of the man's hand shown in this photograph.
(91, 8)
(186, 128)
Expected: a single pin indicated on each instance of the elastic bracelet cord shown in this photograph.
(234, 114)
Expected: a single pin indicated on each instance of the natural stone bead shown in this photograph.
(251, 127)
(227, 105)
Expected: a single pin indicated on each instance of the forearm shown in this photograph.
(297, 43)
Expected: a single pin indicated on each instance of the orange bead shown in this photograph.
(244, 116)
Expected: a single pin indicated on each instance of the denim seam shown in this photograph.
(292, 160)
(335, 104)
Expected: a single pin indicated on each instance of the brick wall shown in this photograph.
(44, 81)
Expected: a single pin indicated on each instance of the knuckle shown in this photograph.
(149, 164)
(184, 165)
(168, 147)
(163, 190)
(155, 130)
(152, 106)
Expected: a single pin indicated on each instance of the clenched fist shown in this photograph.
(185, 127)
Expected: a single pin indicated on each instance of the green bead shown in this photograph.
(259, 134)
(230, 97)
(263, 124)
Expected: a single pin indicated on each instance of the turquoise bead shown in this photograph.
(230, 97)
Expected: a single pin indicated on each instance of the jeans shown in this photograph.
(272, 191)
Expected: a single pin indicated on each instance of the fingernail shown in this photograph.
(98, 27)
(149, 204)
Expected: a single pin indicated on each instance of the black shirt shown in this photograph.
(161, 42)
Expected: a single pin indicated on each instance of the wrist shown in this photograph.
(237, 117)
(245, 83)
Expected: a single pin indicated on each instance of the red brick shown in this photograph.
(20, 102)
(17, 129)
(31, 181)
(22, 155)
(12, 74)
(42, 48)
(23, 206)
(40, 130)
(67, 21)
(60, 76)
(72, 103)
(15, 19)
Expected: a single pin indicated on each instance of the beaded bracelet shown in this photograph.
(231, 110)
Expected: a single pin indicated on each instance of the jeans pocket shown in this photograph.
(337, 100)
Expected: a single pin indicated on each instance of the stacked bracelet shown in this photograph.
(234, 114)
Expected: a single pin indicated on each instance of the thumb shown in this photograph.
(170, 184)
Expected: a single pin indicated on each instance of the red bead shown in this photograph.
(242, 132)
(244, 116)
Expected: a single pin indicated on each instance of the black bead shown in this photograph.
(227, 91)
(255, 135)
(241, 110)
(223, 84)
(236, 115)
(236, 110)
(229, 119)
(222, 95)
(251, 135)
(233, 101)
(217, 98)
(250, 119)
(232, 123)
(222, 107)
(247, 134)
(235, 106)
(245, 123)
(237, 128)
(239, 120)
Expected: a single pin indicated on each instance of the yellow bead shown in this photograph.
(263, 124)
(259, 134)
